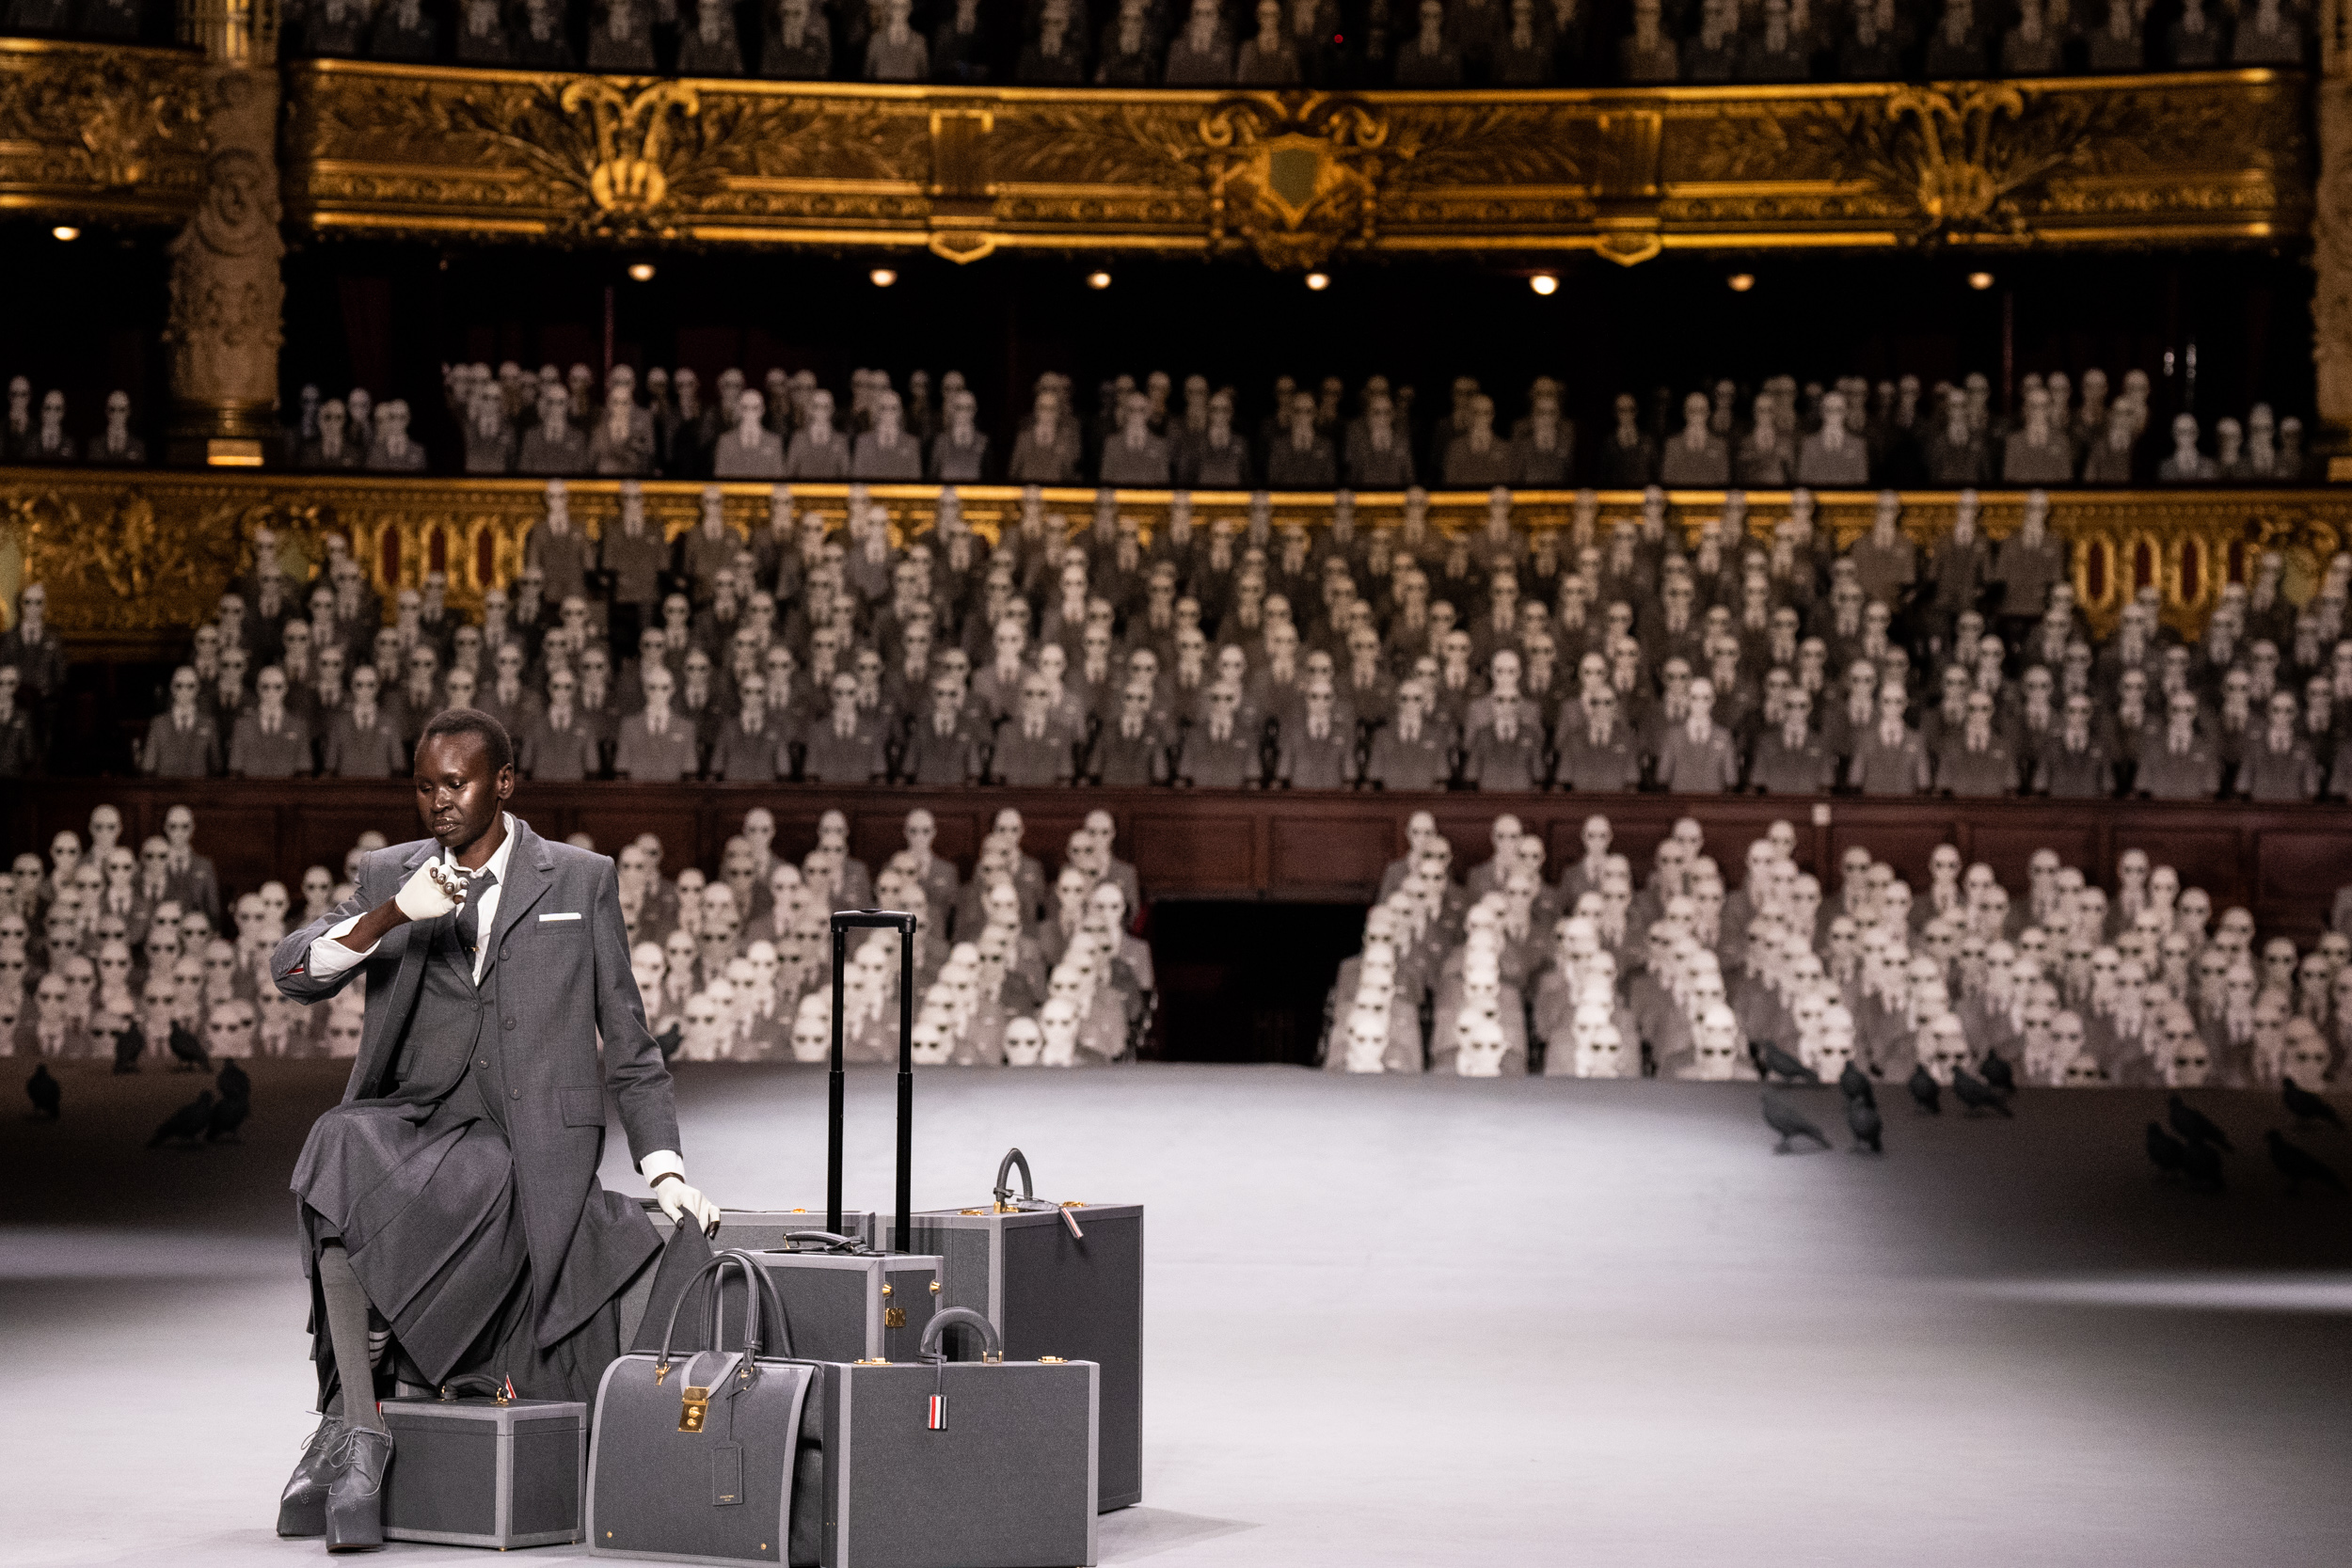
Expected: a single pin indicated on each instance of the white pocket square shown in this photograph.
(574, 915)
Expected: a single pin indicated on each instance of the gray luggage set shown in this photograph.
(971, 1405)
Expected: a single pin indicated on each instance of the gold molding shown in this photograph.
(100, 131)
(133, 560)
(1296, 177)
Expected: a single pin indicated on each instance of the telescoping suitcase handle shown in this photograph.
(844, 921)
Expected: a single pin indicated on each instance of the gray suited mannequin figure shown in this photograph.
(494, 961)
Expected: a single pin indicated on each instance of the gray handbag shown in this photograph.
(694, 1460)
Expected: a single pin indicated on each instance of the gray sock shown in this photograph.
(347, 1331)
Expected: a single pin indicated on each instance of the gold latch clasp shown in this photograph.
(696, 1407)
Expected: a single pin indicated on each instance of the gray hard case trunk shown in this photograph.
(1050, 1293)
(1009, 1484)
(475, 1473)
(838, 1305)
(752, 1229)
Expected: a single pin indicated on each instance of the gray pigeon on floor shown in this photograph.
(2194, 1125)
(1862, 1120)
(1785, 1119)
(44, 1092)
(2307, 1107)
(1855, 1084)
(2299, 1166)
(188, 1122)
(1977, 1094)
(1925, 1092)
(1776, 1062)
(2167, 1153)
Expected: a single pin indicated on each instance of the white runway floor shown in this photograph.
(1390, 1321)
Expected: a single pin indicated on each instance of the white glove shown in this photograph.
(430, 894)
(676, 1198)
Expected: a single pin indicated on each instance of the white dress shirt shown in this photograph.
(330, 957)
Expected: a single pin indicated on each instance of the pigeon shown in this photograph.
(1977, 1094)
(186, 1050)
(2194, 1125)
(233, 1083)
(1862, 1120)
(188, 1122)
(670, 1039)
(1925, 1092)
(2299, 1166)
(1783, 1118)
(1855, 1084)
(44, 1092)
(229, 1114)
(2167, 1153)
(2307, 1107)
(1995, 1070)
(2203, 1162)
(1771, 1060)
(129, 1045)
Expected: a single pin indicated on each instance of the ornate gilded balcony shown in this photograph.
(132, 559)
(90, 131)
(1296, 177)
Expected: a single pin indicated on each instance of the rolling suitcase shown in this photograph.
(980, 1463)
(696, 1453)
(484, 1471)
(847, 1301)
(1054, 1279)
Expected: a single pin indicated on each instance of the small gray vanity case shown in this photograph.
(484, 1471)
(846, 1305)
(1055, 1279)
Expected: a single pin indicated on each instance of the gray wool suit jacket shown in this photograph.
(560, 984)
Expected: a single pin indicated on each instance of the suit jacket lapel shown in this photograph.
(414, 945)
(530, 871)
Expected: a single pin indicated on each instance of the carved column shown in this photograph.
(2331, 241)
(227, 302)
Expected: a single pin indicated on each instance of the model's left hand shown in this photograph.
(677, 1200)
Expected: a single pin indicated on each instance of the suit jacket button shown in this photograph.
(514, 1094)
(510, 1023)
(485, 1061)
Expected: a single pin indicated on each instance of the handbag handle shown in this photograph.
(476, 1382)
(773, 1324)
(992, 1343)
(1014, 1159)
(716, 1270)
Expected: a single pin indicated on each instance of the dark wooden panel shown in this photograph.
(2204, 855)
(1243, 843)
(2295, 867)
(1190, 851)
(1906, 842)
(1339, 852)
(2008, 850)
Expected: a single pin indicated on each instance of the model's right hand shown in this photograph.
(430, 894)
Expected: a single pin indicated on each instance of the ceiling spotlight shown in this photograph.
(1318, 281)
(1098, 281)
(881, 277)
(66, 231)
(1545, 284)
(1742, 282)
(641, 272)
(1980, 280)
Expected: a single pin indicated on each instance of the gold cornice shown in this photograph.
(106, 130)
(1296, 177)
